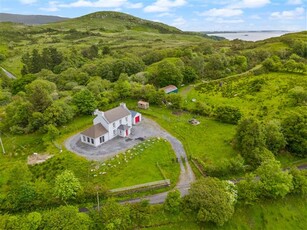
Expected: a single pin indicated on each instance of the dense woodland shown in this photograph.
(66, 70)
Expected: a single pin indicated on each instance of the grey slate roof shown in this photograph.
(133, 113)
(95, 131)
(116, 113)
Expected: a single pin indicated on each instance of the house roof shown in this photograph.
(133, 113)
(95, 131)
(123, 127)
(169, 88)
(116, 113)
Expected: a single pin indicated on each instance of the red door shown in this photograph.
(137, 119)
(127, 133)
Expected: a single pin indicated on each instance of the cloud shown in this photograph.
(52, 7)
(164, 5)
(224, 12)
(225, 21)
(291, 14)
(179, 22)
(249, 4)
(166, 14)
(134, 5)
(28, 2)
(115, 4)
(295, 2)
(98, 4)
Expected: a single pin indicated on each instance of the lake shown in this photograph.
(250, 36)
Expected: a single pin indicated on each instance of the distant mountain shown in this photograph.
(30, 19)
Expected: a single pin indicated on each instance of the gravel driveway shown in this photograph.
(146, 129)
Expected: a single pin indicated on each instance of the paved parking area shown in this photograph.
(144, 130)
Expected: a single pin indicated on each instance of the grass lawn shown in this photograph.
(138, 165)
(210, 140)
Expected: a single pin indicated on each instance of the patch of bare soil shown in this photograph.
(36, 158)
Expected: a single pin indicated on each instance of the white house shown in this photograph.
(109, 124)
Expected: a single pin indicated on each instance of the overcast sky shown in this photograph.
(192, 15)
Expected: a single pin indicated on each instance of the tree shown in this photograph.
(249, 138)
(274, 182)
(85, 101)
(58, 113)
(139, 214)
(66, 186)
(66, 218)
(34, 220)
(299, 181)
(173, 202)
(168, 74)
(115, 216)
(213, 200)
(175, 100)
(294, 128)
(17, 115)
(274, 138)
(189, 75)
(298, 95)
(52, 133)
(249, 189)
(228, 114)
(39, 93)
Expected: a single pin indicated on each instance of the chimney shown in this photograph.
(123, 105)
(98, 113)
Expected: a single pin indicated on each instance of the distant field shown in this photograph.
(263, 96)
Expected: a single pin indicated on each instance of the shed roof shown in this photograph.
(169, 88)
(143, 102)
(95, 131)
(133, 113)
(116, 113)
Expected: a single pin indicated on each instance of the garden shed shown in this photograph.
(143, 104)
(170, 89)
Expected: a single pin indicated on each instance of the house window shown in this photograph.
(84, 138)
(114, 132)
(92, 140)
(126, 118)
(88, 140)
(101, 139)
(113, 124)
(120, 121)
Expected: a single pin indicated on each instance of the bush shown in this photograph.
(228, 114)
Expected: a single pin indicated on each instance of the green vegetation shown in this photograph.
(249, 97)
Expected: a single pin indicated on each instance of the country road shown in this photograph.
(7, 73)
(148, 128)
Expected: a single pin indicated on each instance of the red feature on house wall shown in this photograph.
(137, 119)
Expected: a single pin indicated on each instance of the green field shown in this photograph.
(210, 140)
(286, 214)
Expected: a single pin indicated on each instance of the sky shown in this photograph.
(187, 15)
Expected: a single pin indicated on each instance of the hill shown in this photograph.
(109, 21)
(29, 19)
